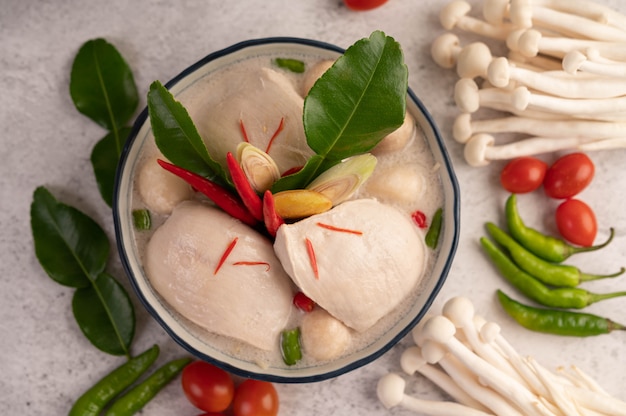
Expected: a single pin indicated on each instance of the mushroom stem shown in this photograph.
(464, 378)
(390, 391)
(464, 127)
(412, 361)
(480, 150)
(441, 330)
(525, 14)
(589, 9)
(500, 72)
(460, 311)
(454, 15)
(522, 98)
(604, 144)
(575, 61)
(545, 63)
(556, 391)
(530, 42)
(596, 401)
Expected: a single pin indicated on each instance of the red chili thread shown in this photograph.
(227, 252)
(343, 230)
(243, 131)
(420, 219)
(280, 127)
(253, 263)
(311, 251)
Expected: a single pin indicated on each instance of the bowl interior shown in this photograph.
(190, 336)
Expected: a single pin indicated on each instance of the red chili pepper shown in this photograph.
(420, 219)
(270, 216)
(248, 195)
(303, 302)
(342, 230)
(281, 125)
(225, 255)
(312, 258)
(222, 197)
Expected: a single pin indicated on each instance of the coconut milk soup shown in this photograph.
(406, 179)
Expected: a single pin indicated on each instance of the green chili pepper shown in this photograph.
(140, 395)
(97, 397)
(544, 246)
(567, 298)
(141, 219)
(292, 65)
(550, 273)
(290, 346)
(432, 235)
(557, 322)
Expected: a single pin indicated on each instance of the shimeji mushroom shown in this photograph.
(412, 362)
(390, 391)
(524, 14)
(454, 15)
(500, 72)
(480, 149)
(465, 127)
(467, 380)
(589, 62)
(441, 330)
(530, 42)
(522, 98)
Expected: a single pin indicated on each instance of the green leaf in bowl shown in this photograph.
(353, 106)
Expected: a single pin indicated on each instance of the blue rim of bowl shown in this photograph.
(143, 117)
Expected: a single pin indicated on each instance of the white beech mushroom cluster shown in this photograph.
(562, 83)
(469, 359)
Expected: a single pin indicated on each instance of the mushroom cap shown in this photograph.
(438, 329)
(390, 390)
(499, 72)
(444, 50)
(520, 13)
(462, 127)
(473, 60)
(433, 352)
(528, 43)
(521, 98)
(460, 310)
(489, 331)
(572, 61)
(475, 151)
(411, 360)
(466, 95)
(494, 11)
(453, 12)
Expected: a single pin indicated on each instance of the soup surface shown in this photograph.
(256, 101)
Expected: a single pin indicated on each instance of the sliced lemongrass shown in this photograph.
(258, 166)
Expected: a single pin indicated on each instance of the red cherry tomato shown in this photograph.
(522, 175)
(364, 4)
(255, 398)
(576, 222)
(569, 175)
(207, 387)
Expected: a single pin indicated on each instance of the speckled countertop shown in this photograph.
(46, 362)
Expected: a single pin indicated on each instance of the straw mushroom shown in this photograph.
(160, 190)
(323, 336)
(390, 391)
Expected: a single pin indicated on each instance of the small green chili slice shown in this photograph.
(560, 275)
(432, 235)
(290, 346)
(557, 322)
(142, 219)
(547, 247)
(292, 65)
(97, 397)
(141, 394)
(567, 297)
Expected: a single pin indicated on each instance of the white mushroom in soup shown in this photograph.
(160, 190)
(259, 106)
(398, 139)
(358, 261)
(220, 274)
(313, 73)
(323, 336)
(397, 184)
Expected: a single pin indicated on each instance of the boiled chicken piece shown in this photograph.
(263, 103)
(358, 261)
(220, 274)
